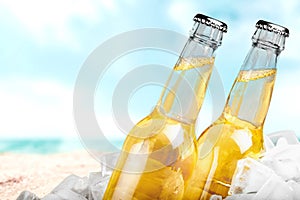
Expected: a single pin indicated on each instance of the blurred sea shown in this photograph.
(44, 146)
(48, 146)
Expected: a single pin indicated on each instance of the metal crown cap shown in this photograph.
(261, 24)
(214, 23)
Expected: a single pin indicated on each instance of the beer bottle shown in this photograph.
(160, 153)
(238, 132)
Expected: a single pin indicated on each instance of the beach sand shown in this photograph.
(41, 173)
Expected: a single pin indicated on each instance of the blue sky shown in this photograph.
(44, 44)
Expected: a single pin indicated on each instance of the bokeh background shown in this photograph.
(43, 45)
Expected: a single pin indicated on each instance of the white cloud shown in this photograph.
(49, 21)
(182, 12)
(43, 109)
(35, 108)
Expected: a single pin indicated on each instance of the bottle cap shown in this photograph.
(261, 24)
(209, 21)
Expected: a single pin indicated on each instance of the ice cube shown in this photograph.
(52, 197)
(285, 136)
(74, 183)
(282, 142)
(64, 195)
(108, 162)
(98, 181)
(215, 197)
(290, 151)
(241, 197)
(289, 154)
(97, 190)
(268, 144)
(68, 183)
(96, 177)
(82, 186)
(26, 195)
(69, 194)
(98, 184)
(296, 189)
(285, 168)
(249, 176)
(276, 189)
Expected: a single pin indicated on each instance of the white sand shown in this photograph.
(40, 173)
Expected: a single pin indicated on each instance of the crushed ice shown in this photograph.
(275, 176)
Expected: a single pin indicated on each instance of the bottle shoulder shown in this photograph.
(157, 123)
(164, 140)
(230, 134)
(158, 132)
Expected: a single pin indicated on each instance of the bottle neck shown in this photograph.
(260, 57)
(251, 93)
(185, 89)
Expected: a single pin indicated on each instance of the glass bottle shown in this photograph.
(238, 132)
(160, 152)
